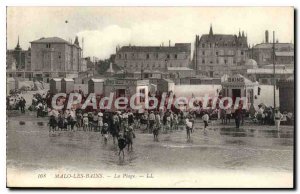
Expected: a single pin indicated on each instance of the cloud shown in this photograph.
(102, 43)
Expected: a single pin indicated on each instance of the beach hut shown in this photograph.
(67, 85)
(95, 86)
(55, 85)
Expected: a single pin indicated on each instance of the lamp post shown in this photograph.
(274, 81)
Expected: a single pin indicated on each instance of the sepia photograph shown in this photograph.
(150, 97)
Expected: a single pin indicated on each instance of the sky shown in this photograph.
(103, 28)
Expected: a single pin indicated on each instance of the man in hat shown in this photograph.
(277, 118)
(205, 119)
(85, 121)
(100, 121)
(151, 121)
(104, 132)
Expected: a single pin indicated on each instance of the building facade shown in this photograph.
(54, 57)
(263, 53)
(216, 54)
(266, 76)
(153, 58)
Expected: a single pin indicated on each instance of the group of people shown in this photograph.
(16, 102)
(270, 116)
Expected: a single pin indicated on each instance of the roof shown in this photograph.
(251, 62)
(202, 90)
(277, 45)
(168, 80)
(10, 79)
(179, 69)
(68, 79)
(284, 54)
(182, 47)
(269, 71)
(56, 79)
(51, 40)
(221, 39)
(278, 66)
(97, 80)
(236, 81)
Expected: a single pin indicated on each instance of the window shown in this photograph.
(242, 52)
(148, 56)
(168, 56)
(225, 61)
(120, 56)
(217, 53)
(203, 52)
(211, 62)
(59, 56)
(156, 55)
(203, 45)
(217, 61)
(210, 45)
(203, 61)
(125, 56)
(175, 56)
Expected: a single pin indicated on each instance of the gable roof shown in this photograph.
(182, 47)
(223, 40)
(277, 45)
(51, 40)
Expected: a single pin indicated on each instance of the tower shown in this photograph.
(76, 42)
(211, 30)
(18, 45)
(267, 36)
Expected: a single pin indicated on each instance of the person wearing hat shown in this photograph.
(95, 120)
(85, 121)
(205, 119)
(151, 121)
(79, 118)
(277, 118)
(100, 120)
(188, 126)
(104, 132)
(130, 118)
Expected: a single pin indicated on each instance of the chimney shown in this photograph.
(267, 36)
(169, 43)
